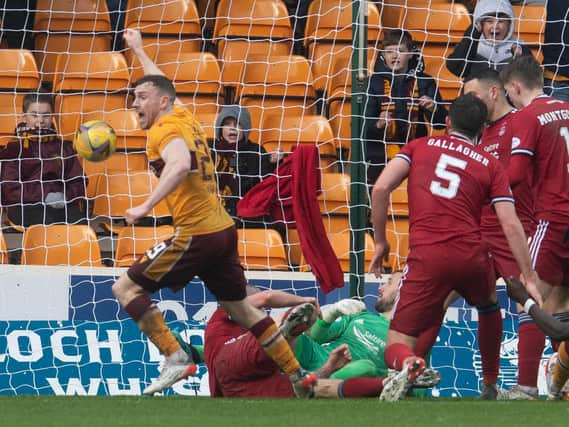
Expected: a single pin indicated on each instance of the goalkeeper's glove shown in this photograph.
(343, 307)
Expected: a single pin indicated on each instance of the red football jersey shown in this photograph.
(220, 329)
(449, 182)
(541, 131)
(497, 141)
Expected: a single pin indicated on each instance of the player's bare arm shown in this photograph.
(278, 299)
(393, 174)
(517, 241)
(133, 40)
(177, 164)
(551, 326)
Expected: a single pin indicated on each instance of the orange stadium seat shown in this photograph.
(3, 250)
(281, 87)
(397, 233)
(334, 201)
(284, 132)
(249, 28)
(115, 194)
(89, 82)
(398, 201)
(18, 74)
(261, 249)
(172, 26)
(440, 23)
(448, 84)
(341, 245)
(117, 164)
(59, 244)
(100, 71)
(125, 123)
(529, 24)
(133, 241)
(329, 34)
(8, 123)
(18, 70)
(207, 120)
(196, 77)
(69, 26)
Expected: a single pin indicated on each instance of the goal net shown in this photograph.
(290, 65)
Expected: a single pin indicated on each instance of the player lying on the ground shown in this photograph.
(557, 368)
(237, 367)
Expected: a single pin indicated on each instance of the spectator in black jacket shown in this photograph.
(489, 42)
(556, 49)
(239, 163)
(401, 100)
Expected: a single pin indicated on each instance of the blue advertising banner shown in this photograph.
(98, 350)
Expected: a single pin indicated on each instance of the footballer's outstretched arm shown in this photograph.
(550, 326)
(278, 299)
(133, 40)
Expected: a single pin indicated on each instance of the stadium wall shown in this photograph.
(63, 333)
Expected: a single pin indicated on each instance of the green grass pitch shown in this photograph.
(202, 412)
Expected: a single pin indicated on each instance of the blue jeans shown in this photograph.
(556, 89)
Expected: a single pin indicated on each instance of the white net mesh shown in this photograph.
(287, 62)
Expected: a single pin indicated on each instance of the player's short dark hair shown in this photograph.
(397, 37)
(524, 69)
(468, 114)
(486, 75)
(163, 83)
(41, 97)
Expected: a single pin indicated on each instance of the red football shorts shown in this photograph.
(243, 369)
(500, 254)
(431, 273)
(550, 254)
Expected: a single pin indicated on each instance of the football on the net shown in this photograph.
(95, 141)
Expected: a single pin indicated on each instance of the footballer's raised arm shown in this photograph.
(133, 40)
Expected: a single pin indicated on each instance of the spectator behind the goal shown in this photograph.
(400, 102)
(489, 42)
(42, 181)
(239, 163)
(556, 50)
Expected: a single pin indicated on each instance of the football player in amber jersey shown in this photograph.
(449, 181)
(541, 145)
(204, 243)
(497, 140)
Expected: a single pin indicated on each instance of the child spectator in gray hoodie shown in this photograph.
(489, 42)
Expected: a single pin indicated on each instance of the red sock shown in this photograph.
(396, 354)
(426, 340)
(531, 341)
(489, 340)
(360, 387)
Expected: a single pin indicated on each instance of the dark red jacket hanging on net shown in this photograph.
(290, 196)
